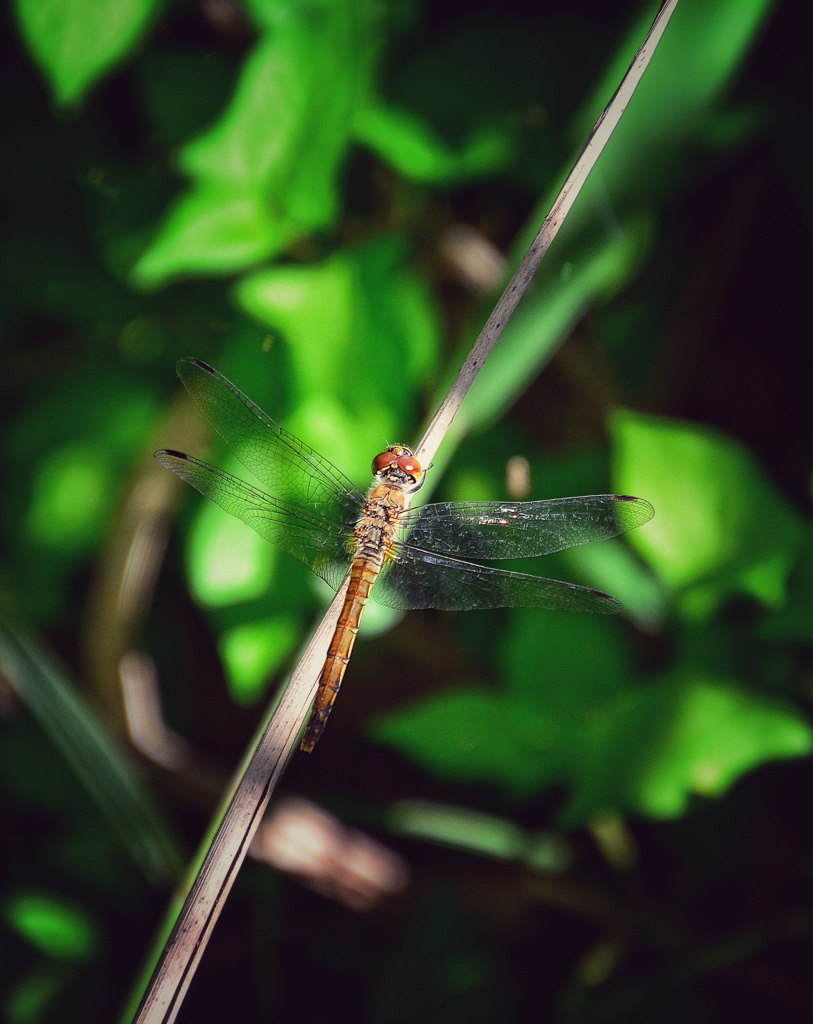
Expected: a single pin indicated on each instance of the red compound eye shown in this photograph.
(382, 461)
(409, 464)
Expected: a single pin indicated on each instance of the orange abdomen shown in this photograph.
(362, 577)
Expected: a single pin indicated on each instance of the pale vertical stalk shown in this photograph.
(257, 778)
(517, 286)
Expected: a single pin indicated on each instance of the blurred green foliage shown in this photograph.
(720, 546)
(55, 928)
(274, 187)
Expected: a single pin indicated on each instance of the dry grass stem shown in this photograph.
(518, 285)
(257, 779)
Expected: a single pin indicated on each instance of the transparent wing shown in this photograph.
(495, 529)
(319, 543)
(420, 579)
(288, 467)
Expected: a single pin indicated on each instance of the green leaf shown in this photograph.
(569, 715)
(266, 172)
(71, 500)
(314, 308)
(563, 663)
(559, 671)
(720, 526)
(251, 143)
(646, 751)
(76, 41)
(350, 323)
(474, 736)
(52, 925)
(253, 651)
(649, 752)
(226, 561)
(213, 229)
(410, 145)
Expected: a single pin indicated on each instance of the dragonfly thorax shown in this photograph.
(398, 467)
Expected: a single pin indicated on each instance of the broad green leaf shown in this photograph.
(72, 498)
(253, 652)
(645, 751)
(410, 145)
(226, 561)
(563, 663)
(266, 172)
(473, 736)
(720, 526)
(213, 229)
(314, 308)
(649, 752)
(52, 925)
(251, 145)
(77, 41)
(560, 670)
(361, 329)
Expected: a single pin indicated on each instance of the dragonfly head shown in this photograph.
(398, 467)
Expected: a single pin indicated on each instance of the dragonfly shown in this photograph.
(424, 557)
